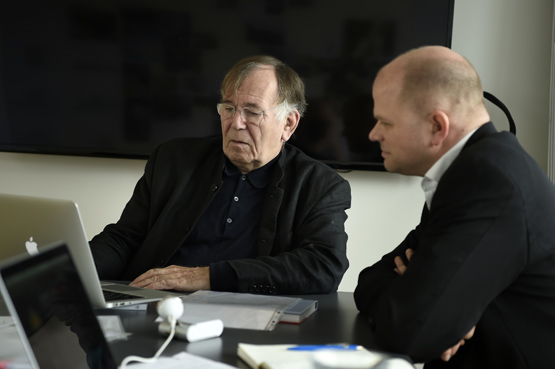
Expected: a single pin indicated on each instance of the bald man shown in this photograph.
(473, 286)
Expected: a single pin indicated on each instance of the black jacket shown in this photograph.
(484, 255)
(301, 242)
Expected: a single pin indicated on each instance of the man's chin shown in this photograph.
(240, 160)
(390, 167)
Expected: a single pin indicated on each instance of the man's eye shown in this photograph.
(229, 109)
(252, 113)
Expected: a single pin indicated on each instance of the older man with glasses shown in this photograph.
(245, 212)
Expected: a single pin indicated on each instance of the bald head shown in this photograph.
(425, 101)
(435, 77)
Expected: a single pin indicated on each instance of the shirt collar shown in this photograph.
(434, 174)
(259, 178)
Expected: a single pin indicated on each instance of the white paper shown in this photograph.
(5, 321)
(183, 360)
(237, 310)
(11, 347)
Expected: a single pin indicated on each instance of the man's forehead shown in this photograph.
(260, 84)
(386, 87)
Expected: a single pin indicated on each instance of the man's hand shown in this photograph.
(450, 352)
(401, 268)
(175, 278)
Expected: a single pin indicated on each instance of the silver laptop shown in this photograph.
(30, 223)
(51, 313)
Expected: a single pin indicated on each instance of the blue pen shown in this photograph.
(324, 347)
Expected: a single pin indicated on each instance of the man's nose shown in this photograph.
(238, 120)
(374, 135)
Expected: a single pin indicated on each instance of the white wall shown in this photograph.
(551, 147)
(509, 43)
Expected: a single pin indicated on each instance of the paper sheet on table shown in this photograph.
(182, 360)
(11, 347)
(237, 310)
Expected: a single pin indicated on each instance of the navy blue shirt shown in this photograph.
(229, 227)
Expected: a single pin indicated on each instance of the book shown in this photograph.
(297, 313)
(287, 356)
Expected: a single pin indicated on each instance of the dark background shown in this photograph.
(117, 77)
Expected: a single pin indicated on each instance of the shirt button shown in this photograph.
(229, 220)
(236, 198)
(243, 177)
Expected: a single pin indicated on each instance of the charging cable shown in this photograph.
(170, 308)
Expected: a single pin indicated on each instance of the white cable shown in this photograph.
(131, 358)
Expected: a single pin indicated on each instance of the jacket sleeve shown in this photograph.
(116, 245)
(308, 250)
(466, 253)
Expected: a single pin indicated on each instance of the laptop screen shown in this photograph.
(54, 312)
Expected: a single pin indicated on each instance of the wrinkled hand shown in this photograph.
(401, 268)
(175, 278)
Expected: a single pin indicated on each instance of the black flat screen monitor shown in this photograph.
(115, 78)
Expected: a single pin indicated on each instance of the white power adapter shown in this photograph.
(193, 329)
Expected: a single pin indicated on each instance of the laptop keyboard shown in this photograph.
(111, 296)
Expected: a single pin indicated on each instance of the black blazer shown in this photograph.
(484, 256)
(302, 239)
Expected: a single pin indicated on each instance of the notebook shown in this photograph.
(52, 314)
(291, 356)
(327, 356)
(32, 222)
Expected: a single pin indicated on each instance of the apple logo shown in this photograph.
(31, 247)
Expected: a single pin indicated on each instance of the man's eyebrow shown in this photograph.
(253, 105)
(250, 105)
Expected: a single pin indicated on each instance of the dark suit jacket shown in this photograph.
(301, 243)
(484, 256)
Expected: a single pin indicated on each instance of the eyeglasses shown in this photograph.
(251, 115)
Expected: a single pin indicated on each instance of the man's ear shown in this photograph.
(440, 126)
(291, 123)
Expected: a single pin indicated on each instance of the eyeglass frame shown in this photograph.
(256, 111)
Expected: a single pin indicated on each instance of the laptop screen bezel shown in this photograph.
(10, 267)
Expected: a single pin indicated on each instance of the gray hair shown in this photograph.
(291, 90)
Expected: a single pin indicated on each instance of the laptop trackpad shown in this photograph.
(122, 288)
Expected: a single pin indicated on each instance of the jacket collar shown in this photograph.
(485, 130)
